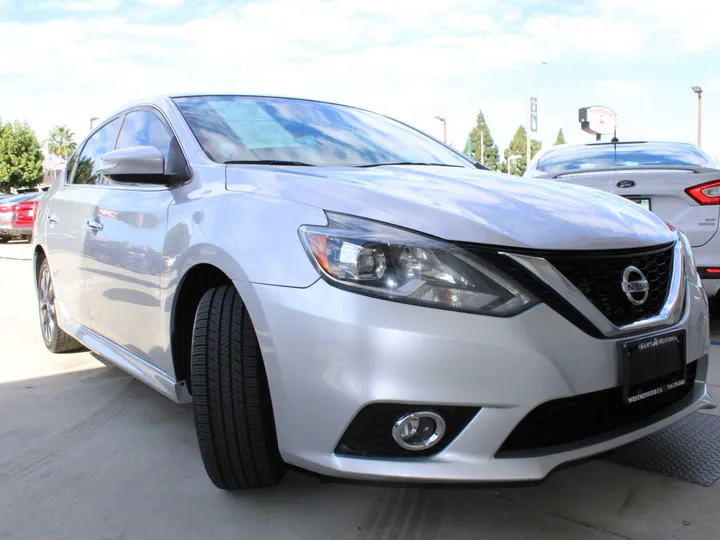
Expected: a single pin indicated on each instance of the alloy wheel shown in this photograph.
(48, 322)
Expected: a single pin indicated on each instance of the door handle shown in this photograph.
(52, 219)
(94, 225)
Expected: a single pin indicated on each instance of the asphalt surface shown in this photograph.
(86, 452)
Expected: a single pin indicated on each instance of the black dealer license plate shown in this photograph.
(652, 365)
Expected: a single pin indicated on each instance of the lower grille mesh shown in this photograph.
(571, 420)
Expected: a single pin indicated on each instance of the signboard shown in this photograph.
(533, 115)
(597, 120)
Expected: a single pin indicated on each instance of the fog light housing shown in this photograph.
(419, 430)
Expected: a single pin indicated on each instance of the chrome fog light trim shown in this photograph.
(419, 430)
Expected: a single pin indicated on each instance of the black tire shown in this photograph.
(4, 239)
(55, 339)
(233, 410)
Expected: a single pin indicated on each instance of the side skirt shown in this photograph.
(127, 361)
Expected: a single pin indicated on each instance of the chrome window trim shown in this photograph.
(163, 117)
(670, 313)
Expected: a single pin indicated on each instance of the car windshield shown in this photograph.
(280, 131)
(604, 156)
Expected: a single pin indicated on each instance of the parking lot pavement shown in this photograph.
(87, 453)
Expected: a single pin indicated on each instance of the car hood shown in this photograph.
(464, 204)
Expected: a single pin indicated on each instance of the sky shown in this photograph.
(64, 61)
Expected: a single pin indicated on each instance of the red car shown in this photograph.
(17, 216)
(25, 218)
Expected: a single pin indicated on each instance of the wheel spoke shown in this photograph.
(47, 306)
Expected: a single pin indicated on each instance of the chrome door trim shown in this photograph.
(670, 313)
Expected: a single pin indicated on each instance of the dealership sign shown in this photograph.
(597, 120)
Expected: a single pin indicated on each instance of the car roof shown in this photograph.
(20, 197)
(618, 143)
(161, 100)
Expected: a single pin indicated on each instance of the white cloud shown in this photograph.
(78, 5)
(613, 88)
(162, 3)
(412, 59)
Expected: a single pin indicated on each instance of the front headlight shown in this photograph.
(372, 258)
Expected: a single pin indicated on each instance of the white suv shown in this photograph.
(335, 290)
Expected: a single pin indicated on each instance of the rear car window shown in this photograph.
(17, 198)
(604, 156)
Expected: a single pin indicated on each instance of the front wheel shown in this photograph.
(56, 340)
(233, 410)
(4, 239)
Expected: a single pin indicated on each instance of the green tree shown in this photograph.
(61, 142)
(560, 138)
(490, 150)
(518, 147)
(21, 160)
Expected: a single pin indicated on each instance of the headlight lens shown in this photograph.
(379, 260)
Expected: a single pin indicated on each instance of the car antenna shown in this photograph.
(615, 140)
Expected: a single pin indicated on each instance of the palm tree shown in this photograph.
(60, 141)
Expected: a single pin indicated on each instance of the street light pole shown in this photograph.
(699, 91)
(92, 119)
(444, 121)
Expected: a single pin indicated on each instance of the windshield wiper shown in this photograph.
(267, 162)
(408, 163)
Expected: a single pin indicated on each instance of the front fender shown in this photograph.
(251, 238)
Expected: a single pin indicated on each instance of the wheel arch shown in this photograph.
(39, 256)
(196, 281)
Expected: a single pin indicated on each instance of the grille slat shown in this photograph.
(599, 278)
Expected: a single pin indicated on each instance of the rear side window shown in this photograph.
(623, 155)
(144, 128)
(86, 171)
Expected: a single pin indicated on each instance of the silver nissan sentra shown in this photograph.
(335, 290)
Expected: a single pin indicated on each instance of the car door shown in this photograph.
(70, 207)
(125, 249)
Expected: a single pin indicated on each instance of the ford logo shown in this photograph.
(625, 183)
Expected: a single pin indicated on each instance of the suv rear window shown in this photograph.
(604, 156)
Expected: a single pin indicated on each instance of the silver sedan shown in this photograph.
(337, 291)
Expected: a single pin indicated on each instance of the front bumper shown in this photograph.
(329, 353)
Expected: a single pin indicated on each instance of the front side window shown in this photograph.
(251, 129)
(102, 141)
(622, 155)
(144, 128)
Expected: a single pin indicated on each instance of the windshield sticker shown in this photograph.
(253, 125)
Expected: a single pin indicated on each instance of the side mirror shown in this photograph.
(135, 165)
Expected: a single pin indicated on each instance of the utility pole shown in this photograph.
(482, 148)
(699, 92)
